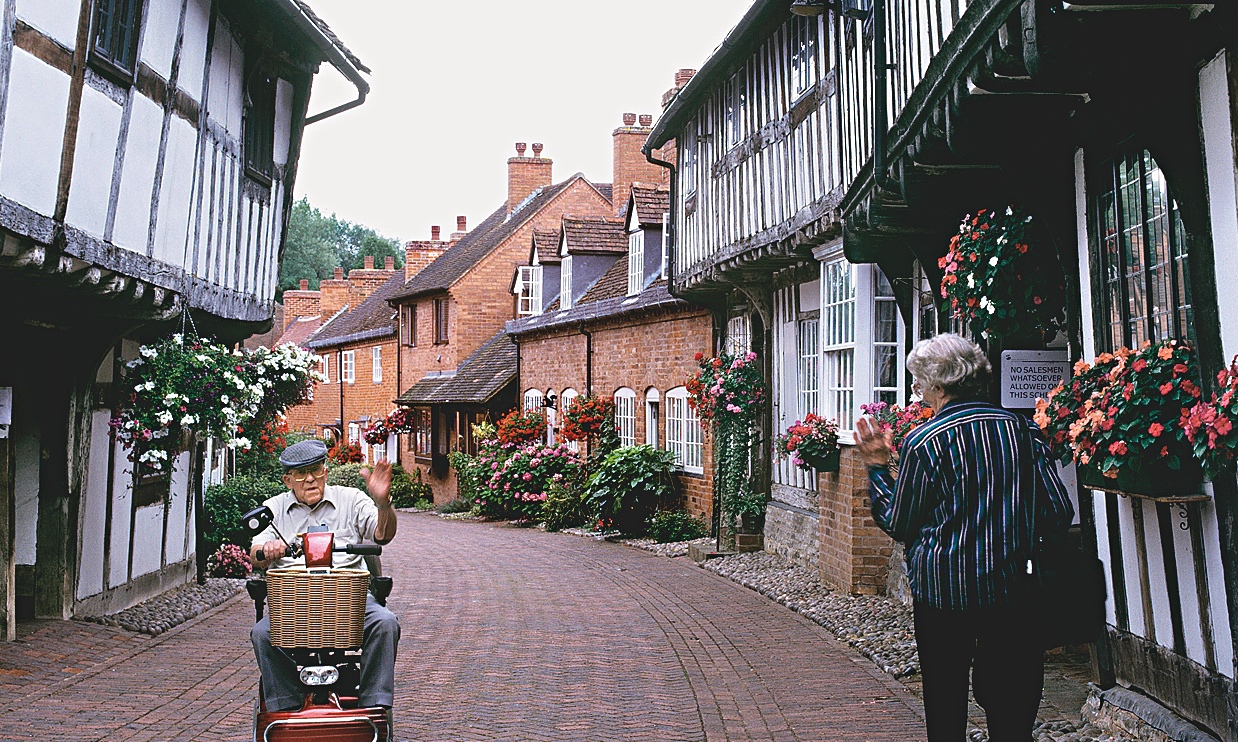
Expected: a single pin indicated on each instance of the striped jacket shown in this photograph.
(963, 503)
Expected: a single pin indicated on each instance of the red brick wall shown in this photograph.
(335, 293)
(419, 254)
(855, 553)
(300, 304)
(624, 356)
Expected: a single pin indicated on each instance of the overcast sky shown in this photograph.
(456, 84)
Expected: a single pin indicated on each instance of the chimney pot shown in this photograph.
(339, 273)
(305, 284)
(435, 231)
(520, 148)
(683, 76)
(389, 263)
(629, 119)
(537, 149)
(646, 119)
(369, 262)
(462, 224)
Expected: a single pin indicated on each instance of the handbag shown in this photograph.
(1067, 585)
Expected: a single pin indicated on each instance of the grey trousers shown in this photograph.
(281, 686)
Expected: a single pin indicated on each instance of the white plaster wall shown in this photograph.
(283, 120)
(1158, 584)
(175, 201)
(1218, 132)
(147, 539)
(122, 499)
(224, 97)
(1085, 267)
(1222, 636)
(181, 482)
(33, 133)
(1100, 513)
(1188, 589)
(141, 158)
(193, 48)
(1130, 569)
(93, 158)
(56, 18)
(159, 35)
(26, 451)
(93, 509)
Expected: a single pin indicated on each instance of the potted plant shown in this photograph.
(519, 427)
(995, 280)
(812, 443)
(586, 417)
(1119, 418)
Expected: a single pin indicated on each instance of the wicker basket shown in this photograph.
(325, 610)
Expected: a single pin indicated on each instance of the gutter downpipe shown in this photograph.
(339, 364)
(588, 359)
(337, 59)
(671, 231)
(516, 342)
(880, 101)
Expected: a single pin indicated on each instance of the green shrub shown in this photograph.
(628, 485)
(458, 505)
(672, 526)
(407, 489)
(346, 475)
(565, 505)
(224, 504)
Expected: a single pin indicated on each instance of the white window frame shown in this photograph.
(683, 432)
(376, 371)
(354, 433)
(636, 261)
(738, 335)
(803, 52)
(565, 283)
(326, 369)
(652, 406)
(808, 366)
(533, 400)
(348, 366)
(530, 302)
(666, 220)
(892, 393)
(625, 416)
(566, 398)
(734, 101)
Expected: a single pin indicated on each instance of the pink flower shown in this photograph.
(1156, 429)
(527, 477)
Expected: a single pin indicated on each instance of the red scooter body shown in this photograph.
(329, 713)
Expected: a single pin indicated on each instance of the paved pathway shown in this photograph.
(509, 634)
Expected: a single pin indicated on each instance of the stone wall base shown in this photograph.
(791, 533)
(1125, 712)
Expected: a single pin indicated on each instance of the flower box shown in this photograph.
(824, 464)
(1154, 480)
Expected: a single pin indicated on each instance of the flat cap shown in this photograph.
(303, 454)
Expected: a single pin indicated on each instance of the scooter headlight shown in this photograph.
(320, 675)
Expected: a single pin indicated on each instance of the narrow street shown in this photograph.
(509, 634)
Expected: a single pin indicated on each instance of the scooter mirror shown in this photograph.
(257, 519)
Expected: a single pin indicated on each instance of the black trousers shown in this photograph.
(998, 646)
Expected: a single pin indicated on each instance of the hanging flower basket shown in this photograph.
(586, 417)
(1153, 479)
(827, 463)
(811, 443)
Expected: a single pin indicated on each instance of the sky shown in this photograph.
(456, 84)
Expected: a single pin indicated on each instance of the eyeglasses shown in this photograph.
(300, 475)
(916, 389)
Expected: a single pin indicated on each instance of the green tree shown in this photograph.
(316, 244)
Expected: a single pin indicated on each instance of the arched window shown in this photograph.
(653, 403)
(533, 400)
(683, 431)
(565, 403)
(625, 416)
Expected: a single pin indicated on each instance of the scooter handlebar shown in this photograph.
(361, 549)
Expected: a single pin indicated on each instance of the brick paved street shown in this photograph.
(509, 634)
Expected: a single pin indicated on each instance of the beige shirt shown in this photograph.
(346, 511)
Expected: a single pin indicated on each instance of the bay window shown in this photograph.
(683, 431)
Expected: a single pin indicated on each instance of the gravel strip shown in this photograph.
(173, 608)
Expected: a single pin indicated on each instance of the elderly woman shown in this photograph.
(973, 482)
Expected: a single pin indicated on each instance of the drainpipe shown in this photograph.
(670, 222)
(516, 342)
(333, 54)
(339, 364)
(880, 102)
(588, 359)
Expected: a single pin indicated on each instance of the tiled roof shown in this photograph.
(651, 203)
(479, 378)
(326, 31)
(594, 235)
(607, 190)
(546, 245)
(300, 330)
(614, 282)
(373, 318)
(654, 297)
(480, 242)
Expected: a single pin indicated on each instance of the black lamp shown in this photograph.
(810, 7)
(549, 402)
(857, 9)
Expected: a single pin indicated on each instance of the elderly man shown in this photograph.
(310, 504)
(973, 483)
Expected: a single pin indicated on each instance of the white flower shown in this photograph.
(224, 398)
(993, 261)
(148, 352)
(178, 338)
(164, 417)
(1009, 211)
(188, 420)
(971, 280)
(992, 308)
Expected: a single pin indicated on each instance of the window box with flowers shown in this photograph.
(1120, 419)
(1209, 426)
(812, 443)
(1006, 289)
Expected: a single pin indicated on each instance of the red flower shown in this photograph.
(1156, 429)
(1118, 448)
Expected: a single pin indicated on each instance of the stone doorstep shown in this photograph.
(701, 553)
(1132, 713)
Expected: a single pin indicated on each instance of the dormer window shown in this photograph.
(565, 283)
(115, 38)
(530, 302)
(636, 262)
(260, 125)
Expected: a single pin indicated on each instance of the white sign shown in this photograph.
(1031, 374)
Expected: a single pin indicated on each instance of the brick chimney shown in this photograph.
(389, 263)
(681, 78)
(335, 293)
(630, 165)
(300, 302)
(365, 281)
(435, 233)
(420, 253)
(369, 262)
(526, 174)
(462, 228)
